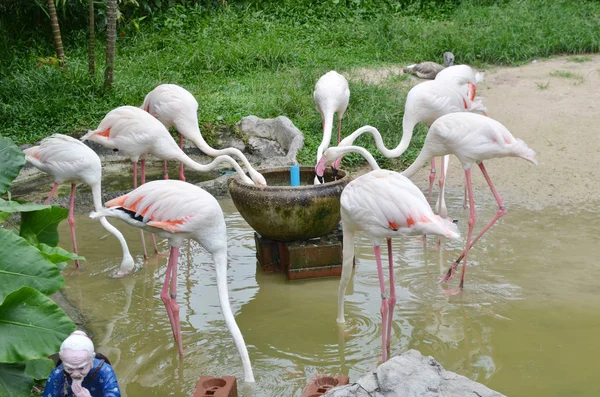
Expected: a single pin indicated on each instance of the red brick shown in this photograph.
(320, 384)
(209, 386)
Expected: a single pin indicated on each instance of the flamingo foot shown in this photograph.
(450, 273)
(453, 291)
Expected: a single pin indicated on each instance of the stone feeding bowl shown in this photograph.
(288, 213)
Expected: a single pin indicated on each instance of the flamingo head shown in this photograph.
(320, 168)
(335, 166)
(448, 58)
(471, 91)
(322, 164)
(257, 178)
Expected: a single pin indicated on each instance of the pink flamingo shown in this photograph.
(332, 95)
(69, 160)
(463, 76)
(136, 133)
(174, 106)
(426, 102)
(472, 138)
(178, 210)
(384, 205)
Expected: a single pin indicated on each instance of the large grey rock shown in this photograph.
(278, 140)
(412, 375)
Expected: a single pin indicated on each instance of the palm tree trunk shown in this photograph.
(60, 54)
(111, 38)
(92, 55)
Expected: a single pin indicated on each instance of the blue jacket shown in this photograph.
(100, 383)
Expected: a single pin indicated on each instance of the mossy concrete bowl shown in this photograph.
(287, 213)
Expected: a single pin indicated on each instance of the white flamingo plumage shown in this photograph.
(463, 76)
(332, 95)
(174, 106)
(178, 210)
(69, 160)
(384, 205)
(472, 138)
(135, 133)
(425, 102)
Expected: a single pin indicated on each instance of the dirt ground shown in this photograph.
(553, 106)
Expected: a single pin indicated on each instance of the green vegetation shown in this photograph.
(580, 59)
(32, 326)
(568, 75)
(263, 58)
(543, 86)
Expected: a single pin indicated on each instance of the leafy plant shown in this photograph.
(32, 326)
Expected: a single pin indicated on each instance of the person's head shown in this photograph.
(77, 355)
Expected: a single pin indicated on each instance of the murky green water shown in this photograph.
(527, 323)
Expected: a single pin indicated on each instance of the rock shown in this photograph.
(269, 136)
(412, 375)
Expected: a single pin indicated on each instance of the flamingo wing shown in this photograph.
(385, 203)
(171, 205)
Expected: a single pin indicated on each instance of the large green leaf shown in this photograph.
(14, 382)
(12, 160)
(39, 368)
(42, 226)
(31, 326)
(22, 264)
(4, 215)
(15, 206)
(57, 255)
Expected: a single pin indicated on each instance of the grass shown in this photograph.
(243, 61)
(568, 75)
(542, 86)
(580, 59)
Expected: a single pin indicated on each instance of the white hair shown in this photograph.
(78, 340)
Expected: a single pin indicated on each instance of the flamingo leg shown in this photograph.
(135, 175)
(442, 211)
(392, 299)
(165, 170)
(431, 179)
(384, 304)
(71, 220)
(170, 299)
(143, 161)
(471, 222)
(51, 193)
(135, 172)
(181, 176)
(501, 211)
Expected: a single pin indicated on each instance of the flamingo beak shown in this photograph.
(320, 168)
(335, 166)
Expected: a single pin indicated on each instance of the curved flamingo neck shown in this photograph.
(185, 159)
(419, 162)
(408, 125)
(327, 130)
(340, 151)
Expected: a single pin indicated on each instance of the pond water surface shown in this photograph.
(527, 323)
